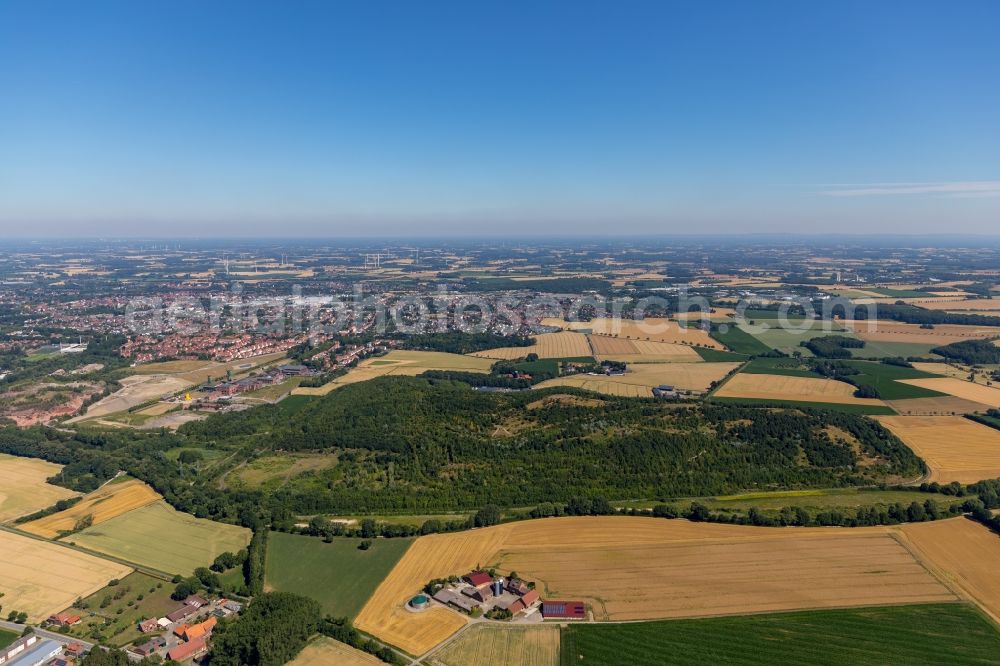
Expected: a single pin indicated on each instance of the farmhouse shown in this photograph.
(185, 611)
(664, 391)
(64, 619)
(517, 586)
(478, 579)
(479, 594)
(452, 598)
(187, 650)
(147, 626)
(200, 630)
(150, 647)
(566, 610)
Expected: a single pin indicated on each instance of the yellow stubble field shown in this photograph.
(941, 334)
(400, 362)
(985, 395)
(23, 488)
(954, 448)
(630, 568)
(105, 503)
(502, 645)
(41, 578)
(652, 329)
(323, 650)
(641, 351)
(639, 380)
(782, 387)
(564, 344)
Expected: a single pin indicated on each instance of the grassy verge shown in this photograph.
(7, 637)
(925, 634)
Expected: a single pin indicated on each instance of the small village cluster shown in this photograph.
(480, 593)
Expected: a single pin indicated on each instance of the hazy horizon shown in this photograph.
(312, 120)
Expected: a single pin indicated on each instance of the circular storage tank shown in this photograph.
(419, 602)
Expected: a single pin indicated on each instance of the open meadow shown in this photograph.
(941, 334)
(631, 568)
(135, 598)
(963, 553)
(919, 634)
(652, 329)
(107, 502)
(564, 344)
(401, 362)
(501, 645)
(790, 388)
(161, 538)
(322, 650)
(639, 380)
(338, 575)
(42, 578)
(23, 486)
(985, 395)
(954, 448)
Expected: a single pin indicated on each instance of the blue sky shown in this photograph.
(439, 118)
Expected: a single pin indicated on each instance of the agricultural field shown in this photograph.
(607, 348)
(962, 552)
(23, 486)
(882, 349)
(985, 305)
(954, 448)
(960, 389)
(139, 536)
(107, 502)
(662, 569)
(887, 379)
(918, 634)
(323, 650)
(957, 371)
(274, 471)
(639, 379)
(501, 645)
(787, 340)
(124, 608)
(652, 329)
(945, 405)
(338, 575)
(41, 578)
(789, 388)
(564, 344)
(401, 362)
(941, 334)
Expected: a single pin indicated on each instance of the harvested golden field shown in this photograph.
(639, 380)
(652, 329)
(400, 362)
(323, 650)
(958, 388)
(105, 503)
(944, 405)
(640, 351)
(564, 344)
(954, 448)
(42, 578)
(781, 387)
(970, 305)
(962, 553)
(941, 334)
(502, 645)
(956, 371)
(23, 488)
(646, 568)
(429, 557)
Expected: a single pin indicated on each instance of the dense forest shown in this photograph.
(971, 352)
(417, 444)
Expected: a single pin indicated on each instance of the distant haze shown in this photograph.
(328, 119)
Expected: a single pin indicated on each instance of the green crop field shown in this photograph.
(738, 340)
(6, 638)
(925, 634)
(338, 575)
(162, 538)
(870, 410)
(779, 366)
(882, 377)
(788, 339)
(880, 349)
(719, 356)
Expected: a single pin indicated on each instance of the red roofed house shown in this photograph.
(478, 579)
(529, 597)
(64, 619)
(568, 610)
(147, 626)
(200, 630)
(180, 629)
(187, 650)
